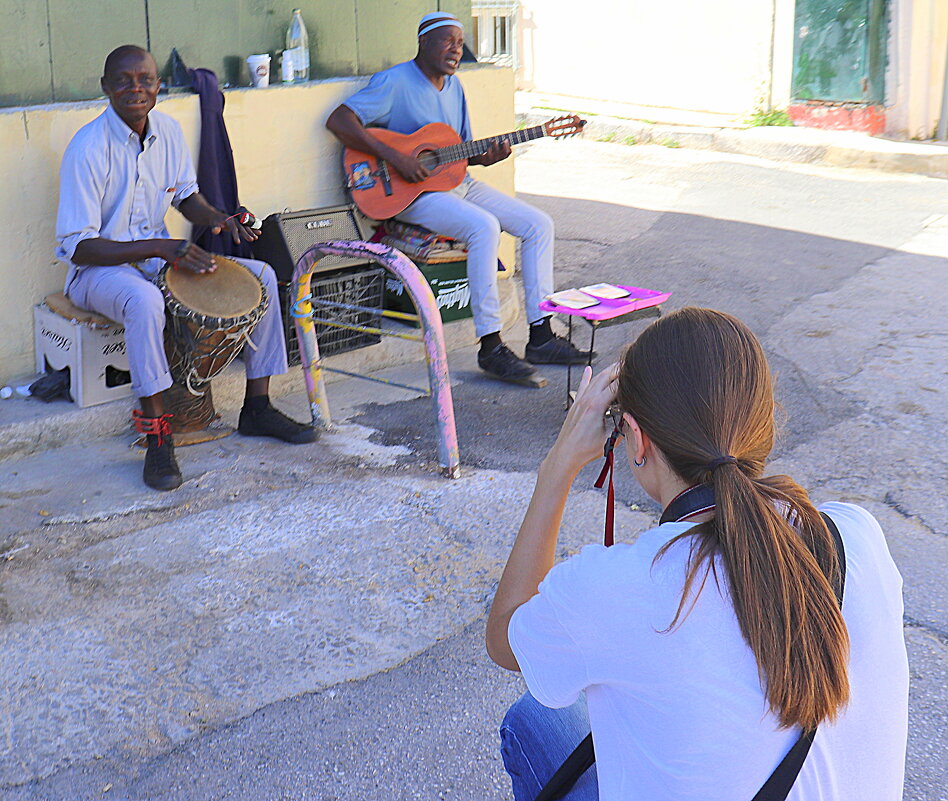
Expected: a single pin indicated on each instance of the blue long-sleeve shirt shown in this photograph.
(114, 186)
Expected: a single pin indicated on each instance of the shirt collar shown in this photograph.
(125, 134)
(427, 80)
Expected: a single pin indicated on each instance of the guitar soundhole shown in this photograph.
(428, 159)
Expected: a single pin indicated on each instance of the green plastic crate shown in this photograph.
(449, 283)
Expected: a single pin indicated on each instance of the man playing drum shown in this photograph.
(119, 175)
(415, 93)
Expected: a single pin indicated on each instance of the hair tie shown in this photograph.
(714, 464)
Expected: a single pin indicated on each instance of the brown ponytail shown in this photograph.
(699, 386)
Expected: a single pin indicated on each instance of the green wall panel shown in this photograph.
(25, 71)
(386, 28)
(386, 31)
(461, 9)
(206, 33)
(839, 51)
(332, 38)
(82, 37)
(220, 34)
(63, 60)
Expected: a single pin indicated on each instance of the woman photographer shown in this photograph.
(700, 652)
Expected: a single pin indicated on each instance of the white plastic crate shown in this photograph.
(87, 344)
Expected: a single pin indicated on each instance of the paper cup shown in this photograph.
(259, 66)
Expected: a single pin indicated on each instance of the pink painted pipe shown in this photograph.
(423, 298)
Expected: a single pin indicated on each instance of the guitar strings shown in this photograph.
(475, 148)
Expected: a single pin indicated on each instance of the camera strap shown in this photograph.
(690, 503)
(608, 468)
(694, 501)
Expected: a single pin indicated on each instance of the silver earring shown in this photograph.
(639, 464)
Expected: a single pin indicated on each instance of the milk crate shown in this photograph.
(448, 282)
(354, 286)
(92, 349)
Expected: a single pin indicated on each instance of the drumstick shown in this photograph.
(246, 218)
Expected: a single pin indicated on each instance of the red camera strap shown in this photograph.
(608, 468)
(695, 500)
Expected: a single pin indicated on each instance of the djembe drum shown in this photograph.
(209, 320)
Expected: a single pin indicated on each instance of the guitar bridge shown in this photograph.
(383, 174)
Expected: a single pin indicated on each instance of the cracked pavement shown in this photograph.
(307, 623)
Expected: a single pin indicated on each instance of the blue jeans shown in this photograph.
(534, 741)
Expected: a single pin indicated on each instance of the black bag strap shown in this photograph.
(776, 788)
(567, 774)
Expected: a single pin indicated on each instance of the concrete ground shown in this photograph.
(306, 623)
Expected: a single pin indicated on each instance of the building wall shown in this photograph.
(284, 156)
(916, 73)
(726, 58)
(53, 50)
(711, 57)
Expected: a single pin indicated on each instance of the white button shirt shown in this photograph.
(114, 187)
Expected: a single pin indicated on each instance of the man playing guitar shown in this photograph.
(424, 90)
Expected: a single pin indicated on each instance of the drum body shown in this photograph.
(209, 319)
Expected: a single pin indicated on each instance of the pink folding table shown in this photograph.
(640, 303)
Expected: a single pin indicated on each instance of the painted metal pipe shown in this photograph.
(424, 301)
(302, 312)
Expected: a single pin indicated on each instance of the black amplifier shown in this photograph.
(287, 235)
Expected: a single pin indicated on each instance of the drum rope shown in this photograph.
(203, 343)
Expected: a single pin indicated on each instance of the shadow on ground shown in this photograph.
(757, 278)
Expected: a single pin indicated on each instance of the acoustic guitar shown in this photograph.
(380, 192)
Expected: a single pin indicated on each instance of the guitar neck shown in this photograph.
(478, 147)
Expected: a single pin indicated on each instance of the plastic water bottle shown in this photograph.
(296, 55)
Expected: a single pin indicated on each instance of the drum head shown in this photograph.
(230, 291)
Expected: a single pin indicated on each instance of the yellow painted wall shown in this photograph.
(711, 57)
(285, 158)
(916, 67)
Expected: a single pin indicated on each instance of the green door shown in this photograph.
(839, 50)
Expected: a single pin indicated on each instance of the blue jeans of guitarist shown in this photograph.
(476, 213)
(534, 741)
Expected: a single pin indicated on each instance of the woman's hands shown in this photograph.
(580, 441)
(586, 428)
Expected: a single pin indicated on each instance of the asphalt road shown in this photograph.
(840, 272)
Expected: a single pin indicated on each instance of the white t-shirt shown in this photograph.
(682, 716)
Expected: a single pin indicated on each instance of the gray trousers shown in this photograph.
(476, 213)
(125, 295)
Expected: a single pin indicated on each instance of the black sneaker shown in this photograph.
(271, 422)
(558, 351)
(502, 363)
(161, 468)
